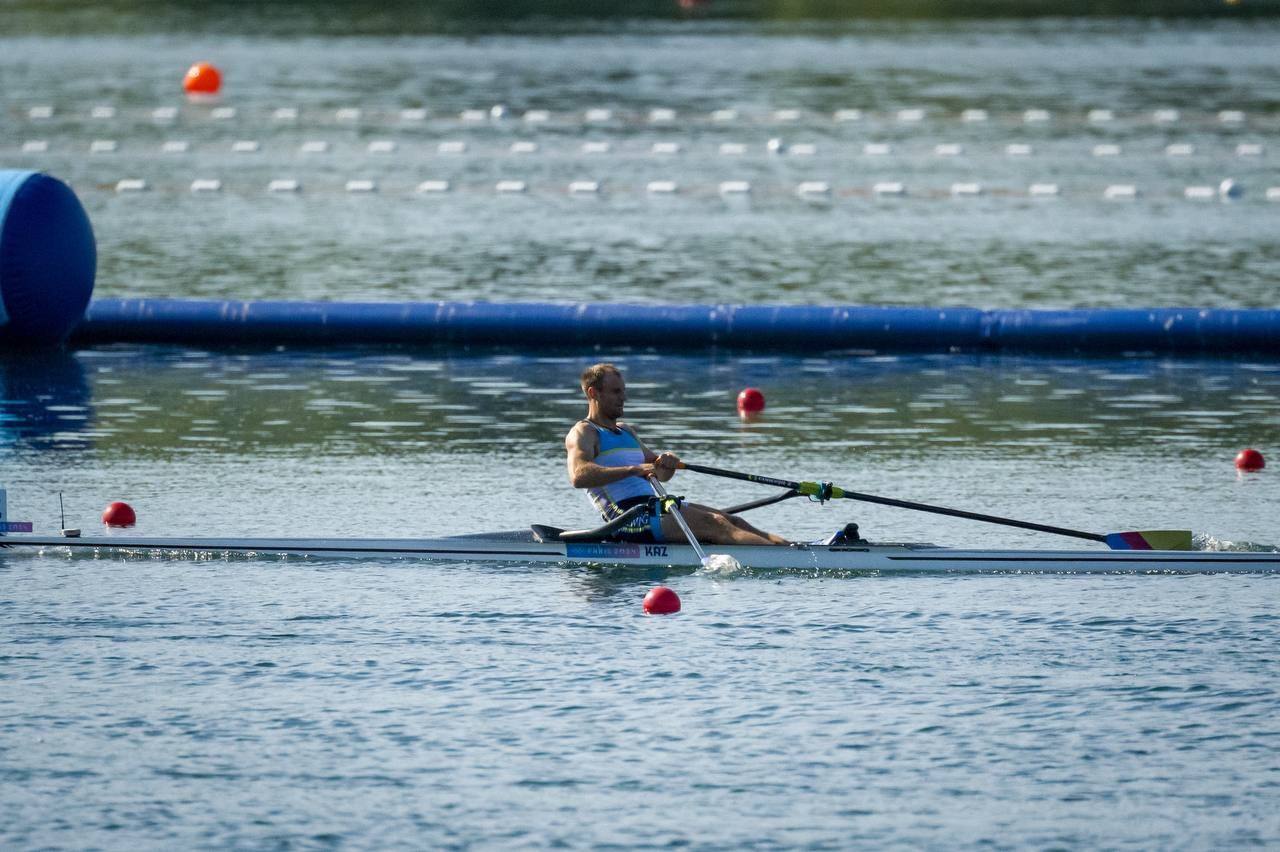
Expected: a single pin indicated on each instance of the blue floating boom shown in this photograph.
(48, 259)
(797, 328)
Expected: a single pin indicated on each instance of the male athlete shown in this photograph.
(608, 459)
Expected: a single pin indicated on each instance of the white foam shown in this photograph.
(474, 115)
(948, 149)
(1273, 193)
(524, 147)
(206, 185)
(876, 149)
(1101, 116)
(596, 147)
(223, 113)
(733, 187)
(724, 115)
(101, 112)
(1106, 149)
(452, 147)
(382, 146)
(1018, 149)
(910, 116)
(348, 114)
(665, 148)
(315, 146)
(973, 116)
(40, 112)
(662, 115)
(245, 146)
(361, 186)
(1199, 193)
(413, 114)
(1166, 116)
(285, 113)
(131, 185)
(432, 186)
(889, 188)
(1231, 116)
(537, 116)
(584, 187)
(1180, 149)
(1248, 149)
(103, 146)
(164, 113)
(283, 185)
(660, 187)
(732, 149)
(599, 115)
(1043, 190)
(802, 149)
(510, 187)
(1036, 116)
(847, 115)
(35, 146)
(786, 115)
(814, 187)
(966, 190)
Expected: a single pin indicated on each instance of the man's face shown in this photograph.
(611, 395)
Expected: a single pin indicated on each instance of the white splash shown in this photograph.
(1204, 541)
(721, 563)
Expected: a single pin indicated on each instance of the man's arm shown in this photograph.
(581, 446)
(664, 464)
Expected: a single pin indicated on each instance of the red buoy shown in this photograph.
(1250, 459)
(119, 514)
(750, 401)
(661, 601)
(202, 79)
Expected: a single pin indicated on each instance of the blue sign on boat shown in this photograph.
(15, 526)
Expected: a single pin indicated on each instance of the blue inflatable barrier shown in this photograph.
(795, 328)
(47, 259)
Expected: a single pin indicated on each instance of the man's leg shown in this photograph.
(711, 526)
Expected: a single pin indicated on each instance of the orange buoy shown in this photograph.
(1250, 459)
(661, 601)
(202, 79)
(119, 514)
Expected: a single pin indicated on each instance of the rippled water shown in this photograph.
(267, 703)
(1003, 248)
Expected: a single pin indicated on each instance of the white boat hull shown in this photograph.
(520, 547)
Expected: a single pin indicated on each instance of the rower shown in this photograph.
(607, 459)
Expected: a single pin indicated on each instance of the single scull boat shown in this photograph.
(1143, 551)
(525, 546)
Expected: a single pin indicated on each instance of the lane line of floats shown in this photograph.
(48, 261)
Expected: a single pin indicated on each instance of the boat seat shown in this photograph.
(604, 532)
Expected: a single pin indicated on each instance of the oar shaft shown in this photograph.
(745, 477)
(675, 513)
(810, 488)
(972, 516)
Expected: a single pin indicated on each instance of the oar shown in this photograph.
(1136, 540)
(675, 513)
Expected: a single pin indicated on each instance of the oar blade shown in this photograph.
(1150, 540)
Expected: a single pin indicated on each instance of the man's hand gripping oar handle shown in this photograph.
(1140, 540)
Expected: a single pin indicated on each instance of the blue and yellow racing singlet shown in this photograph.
(618, 449)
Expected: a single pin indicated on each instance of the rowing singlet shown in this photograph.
(618, 449)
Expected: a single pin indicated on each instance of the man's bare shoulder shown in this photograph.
(580, 434)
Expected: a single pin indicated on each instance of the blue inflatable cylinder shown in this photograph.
(47, 259)
(794, 328)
